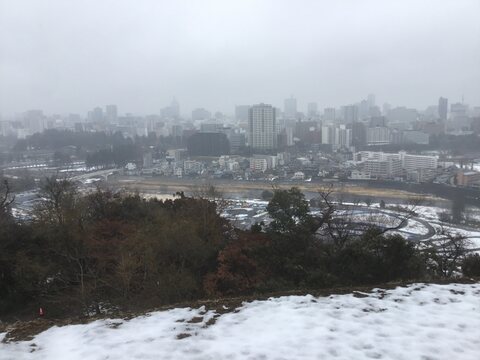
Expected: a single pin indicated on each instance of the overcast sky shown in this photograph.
(68, 56)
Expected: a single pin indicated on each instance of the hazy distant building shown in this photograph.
(192, 167)
(258, 164)
(433, 128)
(402, 114)
(468, 178)
(359, 134)
(175, 108)
(176, 133)
(371, 100)
(343, 137)
(363, 110)
(290, 108)
(377, 121)
(96, 115)
(416, 162)
(111, 113)
(201, 114)
(34, 121)
(241, 112)
(237, 142)
(416, 137)
(172, 111)
(329, 115)
(386, 108)
(374, 111)
(458, 110)
(388, 165)
(378, 136)
(350, 114)
(312, 109)
(443, 108)
(336, 135)
(211, 127)
(383, 168)
(208, 144)
(328, 134)
(262, 132)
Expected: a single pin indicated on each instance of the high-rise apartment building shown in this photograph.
(290, 108)
(262, 132)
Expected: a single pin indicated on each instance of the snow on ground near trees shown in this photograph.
(415, 322)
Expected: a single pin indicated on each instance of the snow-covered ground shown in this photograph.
(415, 322)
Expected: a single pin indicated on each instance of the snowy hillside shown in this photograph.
(415, 322)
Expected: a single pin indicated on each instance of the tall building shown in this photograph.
(111, 113)
(359, 134)
(336, 135)
(350, 114)
(290, 108)
(34, 121)
(262, 132)
(329, 115)
(312, 109)
(96, 115)
(443, 108)
(343, 137)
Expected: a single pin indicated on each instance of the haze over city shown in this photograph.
(68, 57)
(239, 179)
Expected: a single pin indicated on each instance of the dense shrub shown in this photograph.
(471, 265)
(239, 270)
(84, 251)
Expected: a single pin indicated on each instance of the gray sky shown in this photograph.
(69, 55)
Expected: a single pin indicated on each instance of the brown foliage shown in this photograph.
(238, 271)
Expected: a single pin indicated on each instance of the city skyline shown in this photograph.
(70, 57)
(301, 105)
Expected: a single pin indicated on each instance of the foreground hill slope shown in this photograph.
(419, 321)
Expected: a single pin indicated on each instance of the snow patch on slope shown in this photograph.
(415, 322)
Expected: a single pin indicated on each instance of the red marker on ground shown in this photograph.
(41, 312)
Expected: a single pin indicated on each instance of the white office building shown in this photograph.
(262, 134)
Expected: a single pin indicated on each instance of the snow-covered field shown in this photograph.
(415, 322)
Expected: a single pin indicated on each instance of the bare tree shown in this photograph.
(342, 223)
(6, 197)
(448, 252)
